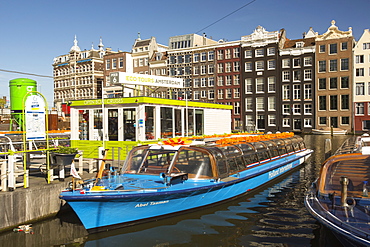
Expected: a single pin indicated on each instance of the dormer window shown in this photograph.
(299, 44)
(158, 56)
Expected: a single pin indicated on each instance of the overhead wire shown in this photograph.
(245, 5)
(24, 73)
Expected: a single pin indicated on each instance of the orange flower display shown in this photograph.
(254, 138)
(177, 141)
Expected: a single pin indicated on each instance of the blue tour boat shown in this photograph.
(339, 198)
(180, 175)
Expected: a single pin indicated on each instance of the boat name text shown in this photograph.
(140, 205)
(283, 169)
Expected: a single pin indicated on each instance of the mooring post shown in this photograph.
(3, 180)
(11, 176)
(327, 148)
(80, 163)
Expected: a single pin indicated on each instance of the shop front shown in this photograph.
(144, 119)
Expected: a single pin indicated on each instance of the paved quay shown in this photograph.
(39, 201)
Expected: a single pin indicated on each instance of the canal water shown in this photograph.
(273, 215)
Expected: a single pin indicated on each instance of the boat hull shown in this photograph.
(348, 236)
(98, 211)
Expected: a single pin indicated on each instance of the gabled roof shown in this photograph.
(292, 43)
(144, 42)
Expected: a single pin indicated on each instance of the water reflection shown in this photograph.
(273, 215)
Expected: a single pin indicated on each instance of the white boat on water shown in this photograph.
(329, 131)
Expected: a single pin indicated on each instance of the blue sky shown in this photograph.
(34, 32)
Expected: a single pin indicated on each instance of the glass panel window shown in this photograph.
(286, 75)
(333, 65)
(196, 57)
(296, 109)
(308, 109)
(227, 67)
(322, 120)
(211, 69)
(271, 103)
(236, 92)
(248, 85)
(259, 52)
(236, 66)
(260, 104)
(344, 46)
(271, 84)
(271, 64)
(271, 51)
(366, 46)
(236, 108)
(211, 55)
(237, 52)
(220, 93)
(333, 83)
(344, 64)
(271, 120)
(248, 53)
(248, 66)
(345, 120)
(259, 65)
(228, 80)
(286, 92)
(359, 59)
(322, 103)
(359, 109)
(203, 82)
(308, 61)
(248, 104)
(196, 95)
(203, 56)
(203, 94)
(322, 48)
(114, 63)
(296, 75)
(333, 48)
(260, 85)
(307, 74)
(211, 81)
(227, 54)
(360, 88)
(307, 122)
(286, 63)
(344, 82)
(296, 62)
(220, 80)
(286, 122)
(220, 54)
(322, 66)
(286, 109)
(307, 92)
(333, 102)
(296, 92)
(236, 79)
(220, 68)
(344, 102)
(360, 72)
(322, 83)
(211, 94)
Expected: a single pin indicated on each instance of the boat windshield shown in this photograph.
(157, 161)
(145, 160)
(196, 162)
